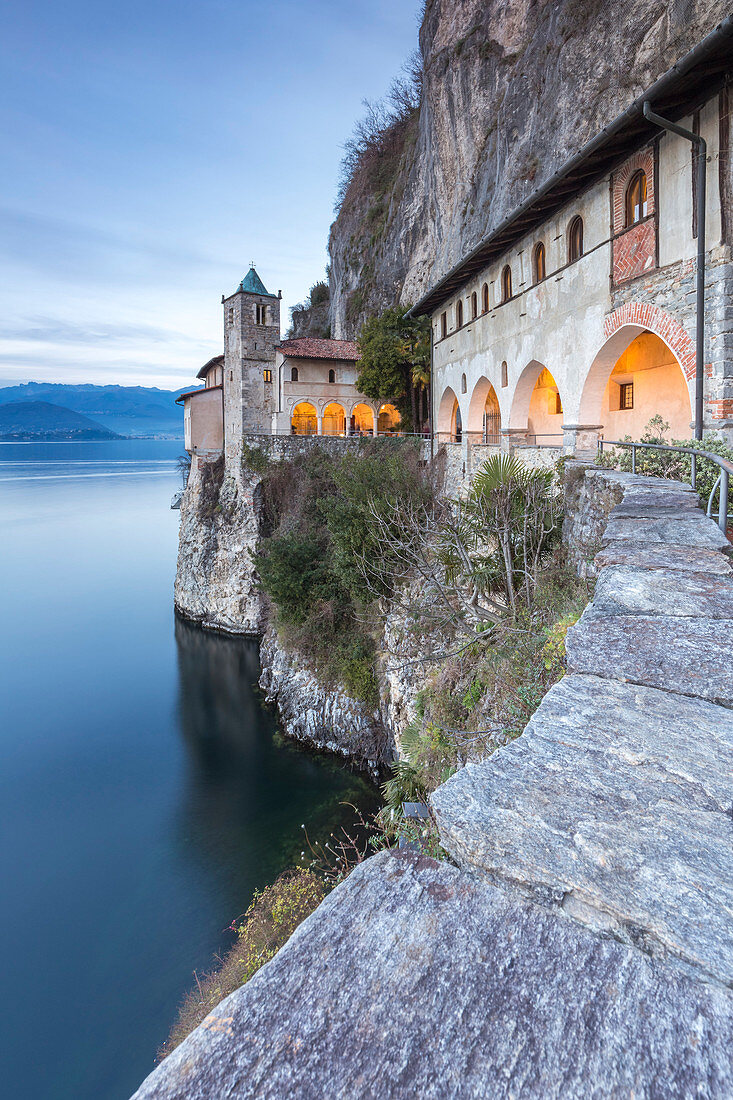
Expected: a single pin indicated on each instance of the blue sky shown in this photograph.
(151, 150)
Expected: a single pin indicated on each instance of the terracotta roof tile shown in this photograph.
(307, 347)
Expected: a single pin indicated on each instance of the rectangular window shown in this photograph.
(268, 376)
(626, 397)
(443, 325)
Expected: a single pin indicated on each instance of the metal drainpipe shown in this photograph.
(702, 151)
(432, 397)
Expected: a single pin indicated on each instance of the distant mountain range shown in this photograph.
(26, 420)
(139, 411)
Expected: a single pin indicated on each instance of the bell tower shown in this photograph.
(251, 334)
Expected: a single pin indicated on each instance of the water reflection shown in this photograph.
(248, 791)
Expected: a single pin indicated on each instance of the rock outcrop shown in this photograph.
(582, 948)
(215, 583)
(511, 89)
(324, 718)
(216, 587)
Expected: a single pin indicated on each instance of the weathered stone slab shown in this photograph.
(614, 803)
(415, 980)
(659, 555)
(683, 529)
(624, 590)
(694, 658)
(654, 505)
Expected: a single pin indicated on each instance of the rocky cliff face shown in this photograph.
(511, 88)
(215, 586)
(215, 583)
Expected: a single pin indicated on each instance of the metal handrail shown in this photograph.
(723, 480)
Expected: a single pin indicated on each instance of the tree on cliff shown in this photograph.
(395, 363)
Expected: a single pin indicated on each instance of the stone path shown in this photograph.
(584, 946)
(616, 804)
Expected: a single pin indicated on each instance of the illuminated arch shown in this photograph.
(388, 420)
(362, 420)
(334, 419)
(304, 420)
(537, 405)
(445, 418)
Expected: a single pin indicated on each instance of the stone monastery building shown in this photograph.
(576, 318)
(263, 385)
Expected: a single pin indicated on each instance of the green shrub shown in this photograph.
(316, 512)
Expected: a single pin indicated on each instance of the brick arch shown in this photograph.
(662, 324)
(620, 328)
(644, 159)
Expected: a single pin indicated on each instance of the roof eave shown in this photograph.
(600, 148)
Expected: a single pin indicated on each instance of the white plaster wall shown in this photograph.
(557, 324)
(674, 189)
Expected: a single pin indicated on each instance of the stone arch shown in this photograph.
(537, 405)
(445, 417)
(484, 415)
(388, 419)
(519, 411)
(304, 419)
(362, 419)
(620, 329)
(334, 419)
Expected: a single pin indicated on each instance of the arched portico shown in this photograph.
(362, 419)
(304, 419)
(446, 419)
(646, 366)
(388, 420)
(334, 419)
(537, 407)
(484, 416)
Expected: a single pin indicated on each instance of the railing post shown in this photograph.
(723, 508)
(693, 478)
(633, 459)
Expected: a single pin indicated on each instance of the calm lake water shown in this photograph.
(144, 792)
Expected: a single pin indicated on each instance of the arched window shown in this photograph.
(293, 374)
(463, 383)
(474, 305)
(485, 298)
(636, 204)
(459, 313)
(332, 376)
(575, 239)
(506, 284)
(539, 262)
(443, 325)
(504, 374)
